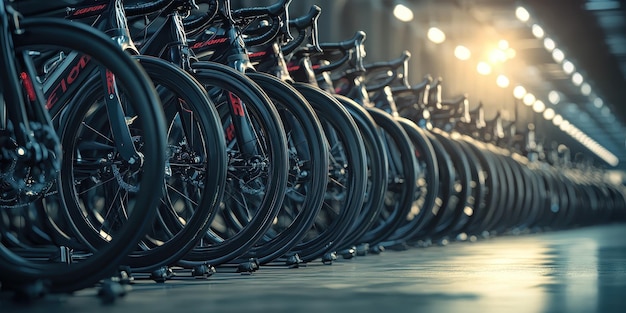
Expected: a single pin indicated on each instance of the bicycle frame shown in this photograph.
(172, 35)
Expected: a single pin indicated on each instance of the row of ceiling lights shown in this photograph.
(553, 96)
(503, 53)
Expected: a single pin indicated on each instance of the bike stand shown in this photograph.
(293, 261)
(161, 274)
(328, 258)
(203, 271)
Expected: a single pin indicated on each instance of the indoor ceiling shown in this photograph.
(591, 38)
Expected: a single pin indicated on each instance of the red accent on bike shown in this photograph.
(257, 54)
(28, 85)
(230, 132)
(235, 102)
(92, 9)
(65, 82)
(209, 42)
(110, 83)
(293, 68)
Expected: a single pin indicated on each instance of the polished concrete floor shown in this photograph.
(580, 270)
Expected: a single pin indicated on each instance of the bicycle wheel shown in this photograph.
(257, 172)
(308, 170)
(347, 177)
(195, 167)
(402, 177)
(428, 182)
(85, 269)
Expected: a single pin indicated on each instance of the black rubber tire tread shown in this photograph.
(332, 114)
(290, 100)
(61, 277)
(214, 249)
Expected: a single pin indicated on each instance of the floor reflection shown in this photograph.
(581, 270)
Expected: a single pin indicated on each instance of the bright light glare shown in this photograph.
(519, 92)
(522, 14)
(510, 53)
(403, 13)
(502, 81)
(554, 97)
(568, 67)
(436, 35)
(529, 99)
(565, 125)
(557, 120)
(497, 56)
(549, 44)
(585, 89)
(598, 102)
(462, 52)
(558, 55)
(549, 114)
(503, 44)
(483, 68)
(577, 79)
(539, 106)
(537, 31)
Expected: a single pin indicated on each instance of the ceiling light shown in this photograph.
(558, 55)
(510, 53)
(529, 99)
(585, 89)
(548, 114)
(565, 125)
(539, 106)
(549, 44)
(503, 44)
(519, 92)
(557, 120)
(497, 56)
(403, 13)
(502, 81)
(522, 14)
(568, 67)
(577, 79)
(436, 35)
(598, 103)
(462, 52)
(554, 97)
(537, 31)
(483, 68)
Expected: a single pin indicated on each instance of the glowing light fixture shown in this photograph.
(510, 53)
(502, 81)
(553, 97)
(522, 14)
(558, 55)
(503, 44)
(529, 99)
(577, 79)
(549, 44)
(519, 92)
(402, 12)
(564, 125)
(436, 35)
(585, 89)
(537, 31)
(549, 114)
(539, 106)
(483, 68)
(557, 120)
(462, 52)
(497, 56)
(598, 102)
(568, 67)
